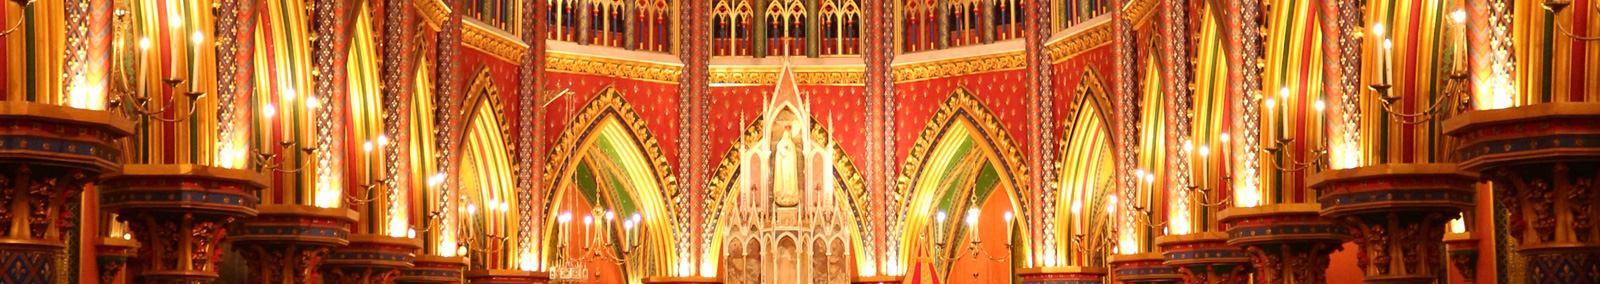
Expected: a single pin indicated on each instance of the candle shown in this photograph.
(1387, 64)
(144, 58)
(194, 61)
(1459, 45)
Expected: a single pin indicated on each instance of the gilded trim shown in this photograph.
(433, 11)
(1080, 42)
(1139, 10)
(959, 66)
(608, 102)
(599, 66)
(499, 44)
(768, 75)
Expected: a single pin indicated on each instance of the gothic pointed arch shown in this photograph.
(486, 177)
(1087, 172)
(607, 158)
(963, 149)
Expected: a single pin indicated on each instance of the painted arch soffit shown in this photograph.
(628, 139)
(961, 117)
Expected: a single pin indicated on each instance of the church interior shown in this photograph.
(799, 141)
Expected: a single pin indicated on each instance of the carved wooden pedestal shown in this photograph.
(1205, 257)
(286, 243)
(47, 154)
(369, 259)
(433, 269)
(181, 215)
(1143, 268)
(1397, 214)
(112, 255)
(1463, 251)
(1543, 160)
(1287, 243)
(1062, 275)
(496, 276)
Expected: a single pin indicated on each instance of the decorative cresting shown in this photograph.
(1062, 275)
(1397, 213)
(1091, 37)
(611, 67)
(961, 105)
(47, 154)
(1462, 248)
(432, 269)
(181, 214)
(1288, 243)
(1205, 257)
(1143, 268)
(287, 243)
(969, 65)
(111, 256)
(497, 276)
(369, 259)
(1542, 160)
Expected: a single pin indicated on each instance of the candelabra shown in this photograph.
(1556, 6)
(1291, 164)
(133, 91)
(1144, 181)
(22, 5)
(597, 246)
(975, 247)
(1456, 90)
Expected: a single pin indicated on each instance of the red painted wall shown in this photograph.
(840, 106)
(1003, 92)
(655, 102)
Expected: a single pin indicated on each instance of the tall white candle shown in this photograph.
(194, 60)
(144, 58)
(1388, 63)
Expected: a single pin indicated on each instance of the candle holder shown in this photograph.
(23, 5)
(597, 247)
(1456, 89)
(137, 98)
(1204, 196)
(974, 247)
(1555, 7)
(1318, 156)
(264, 159)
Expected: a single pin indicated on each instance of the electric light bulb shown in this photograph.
(1283, 92)
(366, 147)
(940, 216)
(610, 215)
(269, 110)
(564, 217)
(127, 236)
(1271, 103)
(1387, 45)
(197, 37)
(504, 206)
(1377, 29)
(1205, 151)
(1008, 217)
(588, 220)
(635, 217)
(1076, 206)
(472, 209)
(627, 225)
(311, 102)
(1223, 138)
(144, 43)
(383, 140)
(177, 21)
(1459, 15)
(288, 94)
(411, 233)
(1319, 106)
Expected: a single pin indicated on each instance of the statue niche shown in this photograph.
(785, 211)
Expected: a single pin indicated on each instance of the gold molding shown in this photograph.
(608, 67)
(959, 66)
(433, 11)
(768, 75)
(1080, 42)
(1138, 11)
(487, 39)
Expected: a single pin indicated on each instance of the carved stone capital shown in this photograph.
(1463, 252)
(1286, 243)
(1397, 214)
